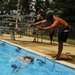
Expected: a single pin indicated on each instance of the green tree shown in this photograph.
(10, 5)
(64, 8)
(43, 6)
(25, 6)
(7, 5)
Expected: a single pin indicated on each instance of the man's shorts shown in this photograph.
(63, 34)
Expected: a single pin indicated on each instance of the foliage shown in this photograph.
(25, 6)
(43, 6)
(7, 5)
(64, 8)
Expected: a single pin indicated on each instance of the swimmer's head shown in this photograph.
(13, 66)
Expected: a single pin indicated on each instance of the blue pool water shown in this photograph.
(10, 55)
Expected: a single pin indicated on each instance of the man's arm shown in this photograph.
(37, 23)
(55, 24)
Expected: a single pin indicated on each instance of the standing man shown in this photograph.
(63, 30)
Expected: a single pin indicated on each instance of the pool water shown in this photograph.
(10, 59)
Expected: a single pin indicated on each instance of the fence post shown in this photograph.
(12, 35)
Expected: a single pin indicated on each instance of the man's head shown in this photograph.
(49, 15)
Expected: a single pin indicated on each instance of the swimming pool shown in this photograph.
(41, 65)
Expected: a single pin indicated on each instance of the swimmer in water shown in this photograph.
(16, 68)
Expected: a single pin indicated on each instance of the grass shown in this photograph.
(69, 41)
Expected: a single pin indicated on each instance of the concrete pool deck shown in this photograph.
(42, 47)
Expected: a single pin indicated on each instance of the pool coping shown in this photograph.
(44, 55)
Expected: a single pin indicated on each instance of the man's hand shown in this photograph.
(39, 27)
(28, 25)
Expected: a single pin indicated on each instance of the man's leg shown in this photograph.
(60, 48)
(62, 38)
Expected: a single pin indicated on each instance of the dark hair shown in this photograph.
(13, 66)
(49, 15)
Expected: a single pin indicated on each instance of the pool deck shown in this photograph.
(44, 48)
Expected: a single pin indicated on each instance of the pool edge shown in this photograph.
(44, 55)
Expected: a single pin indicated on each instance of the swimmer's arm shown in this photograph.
(19, 68)
(13, 70)
(25, 56)
(28, 57)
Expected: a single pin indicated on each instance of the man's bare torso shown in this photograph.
(61, 23)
